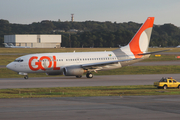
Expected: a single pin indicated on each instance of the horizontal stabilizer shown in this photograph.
(153, 52)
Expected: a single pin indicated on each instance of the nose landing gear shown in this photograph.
(25, 74)
(26, 77)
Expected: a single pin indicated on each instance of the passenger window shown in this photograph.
(170, 81)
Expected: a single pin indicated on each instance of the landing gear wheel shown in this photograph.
(79, 76)
(165, 87)
(89, 75)
(26, 77)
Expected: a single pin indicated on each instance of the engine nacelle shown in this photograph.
(55, 73)
(73, 71)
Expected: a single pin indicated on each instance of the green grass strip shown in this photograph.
(171, 69)
(136, 90)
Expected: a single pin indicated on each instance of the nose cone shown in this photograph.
(10, 66)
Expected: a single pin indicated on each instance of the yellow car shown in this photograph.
(167, 83)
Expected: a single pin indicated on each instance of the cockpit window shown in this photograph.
(18, 60)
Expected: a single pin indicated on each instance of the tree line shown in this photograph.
(93, 33)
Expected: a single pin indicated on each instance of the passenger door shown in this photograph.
(170, 83)
(174, 83)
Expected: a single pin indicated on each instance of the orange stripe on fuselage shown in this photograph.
(134, 44)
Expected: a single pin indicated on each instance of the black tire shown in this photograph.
(79, 76)
(26, 77)
(89, 75)
(179, 86)
(165, 87)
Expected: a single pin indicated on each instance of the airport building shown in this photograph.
(34, 41)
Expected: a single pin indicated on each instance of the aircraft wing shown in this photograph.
(100, 64)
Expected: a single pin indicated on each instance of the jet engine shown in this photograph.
(73, 71)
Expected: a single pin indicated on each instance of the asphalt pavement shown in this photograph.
(92, 108)
(67, 81)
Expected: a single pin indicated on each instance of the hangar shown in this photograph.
(34, 41)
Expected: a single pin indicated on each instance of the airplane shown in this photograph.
(6, 45)
(78, 63)
(12, 46)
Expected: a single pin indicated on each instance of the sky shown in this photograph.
(28, 11)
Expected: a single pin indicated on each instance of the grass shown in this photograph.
(174, 69)
(5, 59)
(171, 69)
(159, 49)
(135, 90)
(161, 58)
(6, 73)
(49, 50)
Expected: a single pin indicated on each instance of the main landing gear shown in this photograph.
(26, 77)
(89, 75)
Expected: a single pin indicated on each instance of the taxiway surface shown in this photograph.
(92, 108)
(65, 81)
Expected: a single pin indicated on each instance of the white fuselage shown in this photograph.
(53, 62)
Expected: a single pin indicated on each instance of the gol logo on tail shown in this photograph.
(39, 64)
